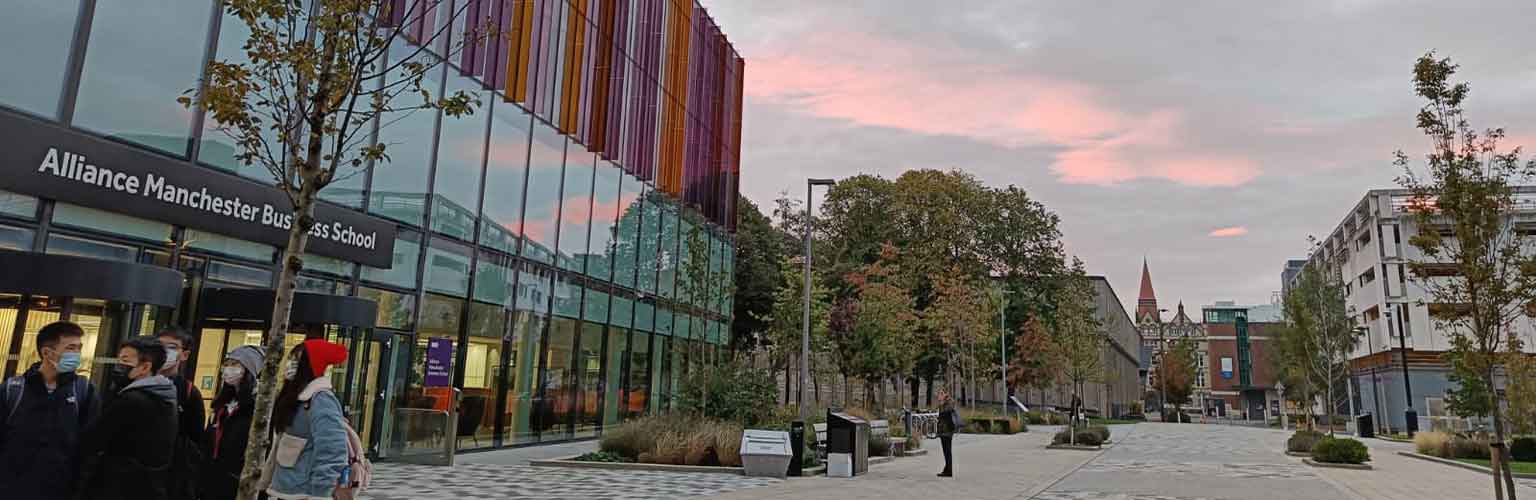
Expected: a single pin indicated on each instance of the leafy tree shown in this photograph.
(1033, 362)
(302, 101)
(1521, 393)
(1463, 205)
(760, 254)
(786, 326)
(1079, 339)
(732, 391)
(1177, 373)
(1319, 334)
(871, 332)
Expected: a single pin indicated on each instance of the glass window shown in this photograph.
(15, 238)
(482, 366)
(613, 374)
(576, 210)
(639, 374)
(682, 327)
(661, 373)
(320, 263)
(664, 321)
(533, 289)
(142, 56)
(605, 209)
(399, 185)
(545, 158)
(395, 309)
(589, 372)
(650, 238)
(402, 270)
(238, 274)
(623, 312)
(494, 280)
(122, 225)
(506, 169)
(34, 77)
(225, 245)
(666, 257)
(310, 284)
(555, 403)
(567, 298)
(627, 242)
(460, 154)
(66, 245)
(447, 267)
(522, 370)
(645, 316)
(596, 306)
(17, 205)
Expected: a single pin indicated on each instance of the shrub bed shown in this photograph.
(1469, 447)
(602, 456)
(1523, 449)
(676, 440)
(1303, 441)
(1340, 451)
(1433, 443)
(1089, 436)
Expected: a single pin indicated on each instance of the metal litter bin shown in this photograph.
(1365, 426)
(765, 453)
(848, 438)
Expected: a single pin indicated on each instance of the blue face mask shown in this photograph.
(69, 362)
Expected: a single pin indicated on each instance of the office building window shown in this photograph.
(37, 34)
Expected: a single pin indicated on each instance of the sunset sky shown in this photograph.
(1210, 137)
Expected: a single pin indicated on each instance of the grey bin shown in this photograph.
(847, 435)
(765, 453)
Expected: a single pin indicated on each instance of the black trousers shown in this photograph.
(948, 443)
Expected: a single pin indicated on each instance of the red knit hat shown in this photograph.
(323, 354)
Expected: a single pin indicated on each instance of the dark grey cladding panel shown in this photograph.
(308, 308)
(84, 277)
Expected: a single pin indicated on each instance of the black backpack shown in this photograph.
(15, 389)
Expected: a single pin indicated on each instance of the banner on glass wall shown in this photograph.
(49, 161)
(439, 363)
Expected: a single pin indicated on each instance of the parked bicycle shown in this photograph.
(924, 424)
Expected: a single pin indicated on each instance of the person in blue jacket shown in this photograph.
(310, 455)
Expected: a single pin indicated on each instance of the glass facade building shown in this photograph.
(569, 240)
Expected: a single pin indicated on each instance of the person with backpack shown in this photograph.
(127, 452)
(187, 457)
(225, 440)
(42, 414)
(312, 456)
(949, 425)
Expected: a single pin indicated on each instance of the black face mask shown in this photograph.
(119, 373)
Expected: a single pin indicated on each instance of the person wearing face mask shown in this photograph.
(127, 451)
(188, 456)
(310, 455)
(42, 413)
(228, 433)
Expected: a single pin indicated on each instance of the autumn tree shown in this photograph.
(312, 83)
(1033, 363)
(1176, 373)
(785, 325)
(1473, 252)
(1079, 339)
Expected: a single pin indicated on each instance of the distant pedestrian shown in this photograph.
(187, 457)
(311, 456)
(224, 442)
(949, 424)
(127, 451)
(42, 414)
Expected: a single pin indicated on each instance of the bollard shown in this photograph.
(797, 448)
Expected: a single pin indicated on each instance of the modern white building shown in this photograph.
(1370, 251)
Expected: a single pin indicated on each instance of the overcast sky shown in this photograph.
(1210, 137)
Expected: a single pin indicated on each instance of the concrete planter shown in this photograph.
(569, 462)
(1464, 465)
(1075, 447)
(1298, 454)
(1315, 463)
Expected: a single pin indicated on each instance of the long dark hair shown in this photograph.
(245, 393)
(288, 398)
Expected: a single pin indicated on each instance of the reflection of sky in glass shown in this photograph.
(447, 267)
(399, 185)
(403, 271)
(133, 75)
(628, 245)
(546, 155)
(36, 35)
(645, 264)
(577, 206)
(605, 206)
(506, 162)
(460, 149)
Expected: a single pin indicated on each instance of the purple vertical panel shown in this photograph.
(494, 44)
(468, 60)
(536, 52)
(589, 60)
(615, 102)
(395, 14)
(655, 44)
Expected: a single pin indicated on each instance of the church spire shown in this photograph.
(1146, 302)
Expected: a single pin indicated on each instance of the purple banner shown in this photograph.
(439, 363)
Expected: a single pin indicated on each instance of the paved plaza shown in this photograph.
(1148, 461)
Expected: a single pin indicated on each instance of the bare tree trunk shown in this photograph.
(1500, 451)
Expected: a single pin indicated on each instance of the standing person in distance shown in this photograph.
(225, 440)
(190, 418)
(127, 451)
(42, 414)
(949, 424)
(310, 455)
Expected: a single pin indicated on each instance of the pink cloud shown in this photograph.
(1228, 232)
(930, 90)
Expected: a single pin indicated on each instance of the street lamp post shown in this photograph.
(1162, 357)
(1410, 417)
(805, 333)
(1003, 343)
(1375, 381)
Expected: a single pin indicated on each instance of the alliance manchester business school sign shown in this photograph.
(49, 161)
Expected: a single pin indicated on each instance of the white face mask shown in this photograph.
(172, 357)
(233, 375)
(292, 370)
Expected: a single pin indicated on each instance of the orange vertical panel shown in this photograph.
(597, 129)
(575, 50)
(518, 58)
(676, 84)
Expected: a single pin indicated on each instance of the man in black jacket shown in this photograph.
(42, 413)
(190, 416)
(127, 452)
